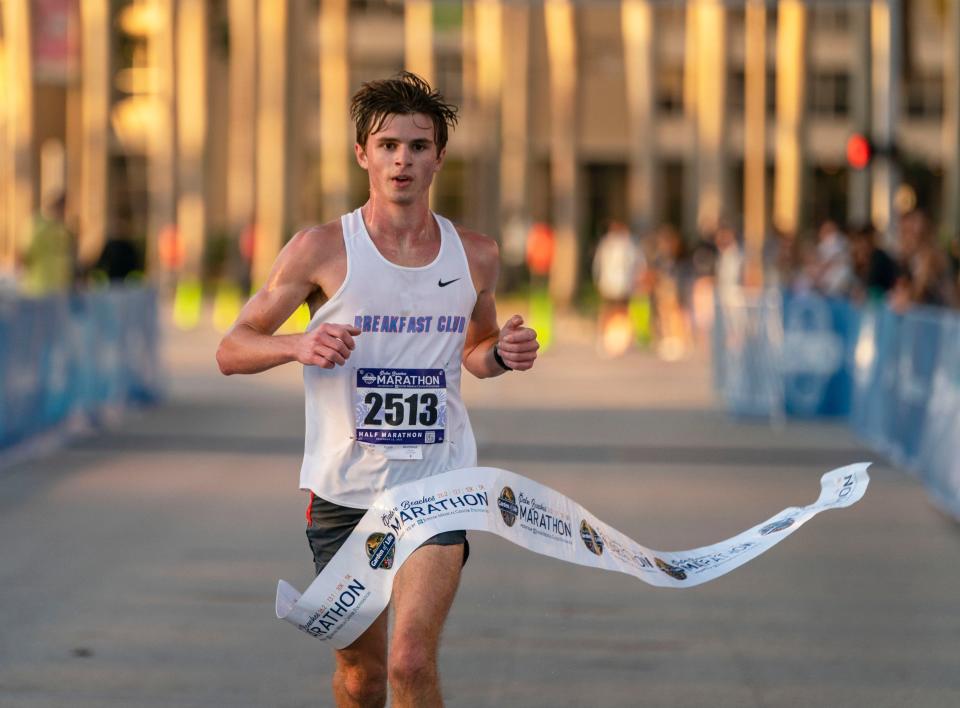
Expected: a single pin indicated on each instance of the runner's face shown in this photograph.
(401, 158)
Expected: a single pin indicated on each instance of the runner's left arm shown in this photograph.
(516, 344)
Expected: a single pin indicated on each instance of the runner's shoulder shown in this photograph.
(482, 251)
(316, 245)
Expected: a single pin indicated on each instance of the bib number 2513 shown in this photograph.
(398, 409)
(401, 406)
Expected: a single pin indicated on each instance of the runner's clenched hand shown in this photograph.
(517, 344)
(326, 346)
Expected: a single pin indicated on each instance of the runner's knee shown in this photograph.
(364, 683)
(410, 664)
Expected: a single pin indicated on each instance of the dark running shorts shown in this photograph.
(329, 524)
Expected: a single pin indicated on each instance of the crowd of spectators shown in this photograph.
(681, 281)
(917, 270)
(47, 263)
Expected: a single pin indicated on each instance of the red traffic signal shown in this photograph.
(859, 151)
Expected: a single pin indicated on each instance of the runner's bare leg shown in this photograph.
(360, 678)
(422, 595)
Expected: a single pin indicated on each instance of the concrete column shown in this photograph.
(18, 198)
(241, 123)
(468, 111)
(858, 199)
(53, 170)
(94, 99)
(271, 137)
(514, 140)
(561, 50)
(75, 146)
(755, 143)
(161, 144)
(418, 49)
(488, 28)
(191, 111)
(951, 121)
(886, 22)
(301, 207)
(418, 38)
(791, 93)
(690, 180)
(639, 52)
(468, 57)
(711, 113)
(7, 247)
(336, 139)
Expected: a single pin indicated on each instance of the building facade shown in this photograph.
(210, 130)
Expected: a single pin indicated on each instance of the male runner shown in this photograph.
(392, 287)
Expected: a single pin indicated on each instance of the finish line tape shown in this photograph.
(354, 588)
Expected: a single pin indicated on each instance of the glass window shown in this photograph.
(737, 91)
(669, 87)
(394, 7)
(670, 16)
(829, 19)
(829, 94)
(363, 71)
(924, 96)
(449, 77)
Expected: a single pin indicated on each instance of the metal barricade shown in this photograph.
(75, 358)
(894, 377)
(748, 353)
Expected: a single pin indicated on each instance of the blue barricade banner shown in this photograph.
(938, 458)
(916, 359)
(785, 354)
(819, 340)
(747, 345)
(896, 377)
(874, 376)
(75, 356)
(897, 357)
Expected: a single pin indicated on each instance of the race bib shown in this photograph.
(401, 407)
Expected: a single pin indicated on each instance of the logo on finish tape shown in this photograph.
(381, 550)
(671, 570)
(591, 539)
(778, 525)
(507, 503)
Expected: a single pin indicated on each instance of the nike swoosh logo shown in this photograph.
(445, 284)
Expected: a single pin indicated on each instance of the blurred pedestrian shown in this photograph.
(120, 257)
(671, 291)
(831, 273)
(729, 277)
(874, 271)
(540, 246)
(703, 268)
(953, 255)
(953, 264)
(513, 245)
(50, 257)
(615, 269)
(786, 260)
(539, 254)
(924, 276)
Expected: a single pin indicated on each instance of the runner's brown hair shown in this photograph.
(404, 94)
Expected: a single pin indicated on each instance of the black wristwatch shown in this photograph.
(499, 359)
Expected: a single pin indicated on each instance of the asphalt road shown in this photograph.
(138, 566)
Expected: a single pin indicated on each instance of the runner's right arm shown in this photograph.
(251, 345)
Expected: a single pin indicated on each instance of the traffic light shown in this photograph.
(859, 151)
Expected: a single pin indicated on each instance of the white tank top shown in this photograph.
(393, 413)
